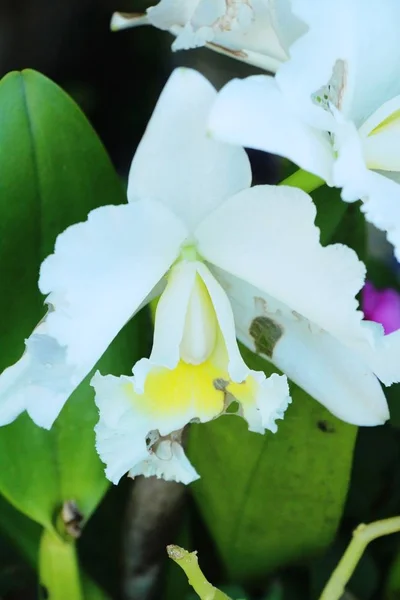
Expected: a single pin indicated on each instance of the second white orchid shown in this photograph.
(257, 32)
(333, 107)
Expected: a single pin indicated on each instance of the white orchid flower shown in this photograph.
(227, 259)
(258, 32)
(105, 269)
(334, 107)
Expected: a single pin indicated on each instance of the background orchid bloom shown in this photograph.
(258, 32)
(333, 108)
(381, 306)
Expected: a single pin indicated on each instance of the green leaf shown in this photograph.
(54, 170)
(273, 499)
(331, 212)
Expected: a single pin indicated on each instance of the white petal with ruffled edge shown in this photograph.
(247, 28)
(99, 275)
(194, 174)
(39, 382)
(123, 428)
(259, 33)
(254, 113)
(379, 191)
(168, 462)
(277, 249)
(341, 378)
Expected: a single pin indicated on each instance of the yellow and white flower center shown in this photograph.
(199, 386)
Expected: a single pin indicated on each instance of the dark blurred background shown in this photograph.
(115, 77)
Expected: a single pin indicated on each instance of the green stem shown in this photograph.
(304, 180)
(58, 568)
(189, 563)
(362, 536)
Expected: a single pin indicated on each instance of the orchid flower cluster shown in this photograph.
(225, 260)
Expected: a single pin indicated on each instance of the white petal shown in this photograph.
(168, 462)
(99, 275)
(362, 34)
(286, 25)
(127, 419)
(254, 113)
(176, 163)
(169, 321)
(277, 249)
(383, 357)
(251, 28)
(382, 207)
(381, 137)
(40, 382)
(349, 171)
(101, 272)
(125, 21)
(168, 13)
(236, 367)
(121, 432)
(267, 402)
(338, 377)
(380, 192)
(333, 374)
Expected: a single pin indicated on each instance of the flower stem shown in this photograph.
(362, 536)
(189, 563)
(58, 568)
(304, 180)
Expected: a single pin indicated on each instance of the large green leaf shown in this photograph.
(269, 500)
(53, 171)
(274, 499)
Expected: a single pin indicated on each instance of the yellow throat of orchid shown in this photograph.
(200, 385)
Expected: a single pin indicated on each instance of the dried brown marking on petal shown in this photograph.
(236, 53)
(266, 334)
(132, 16)
(220, 384)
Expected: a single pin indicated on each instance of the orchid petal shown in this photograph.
(122, 431)
(254, 113)
(380, 192)
(126, 21)
(176, 163)
(99, 275)
(337, 376)
(168, 13)
(381, 137)
(276, 248)
(346, 31)
(168, 462)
